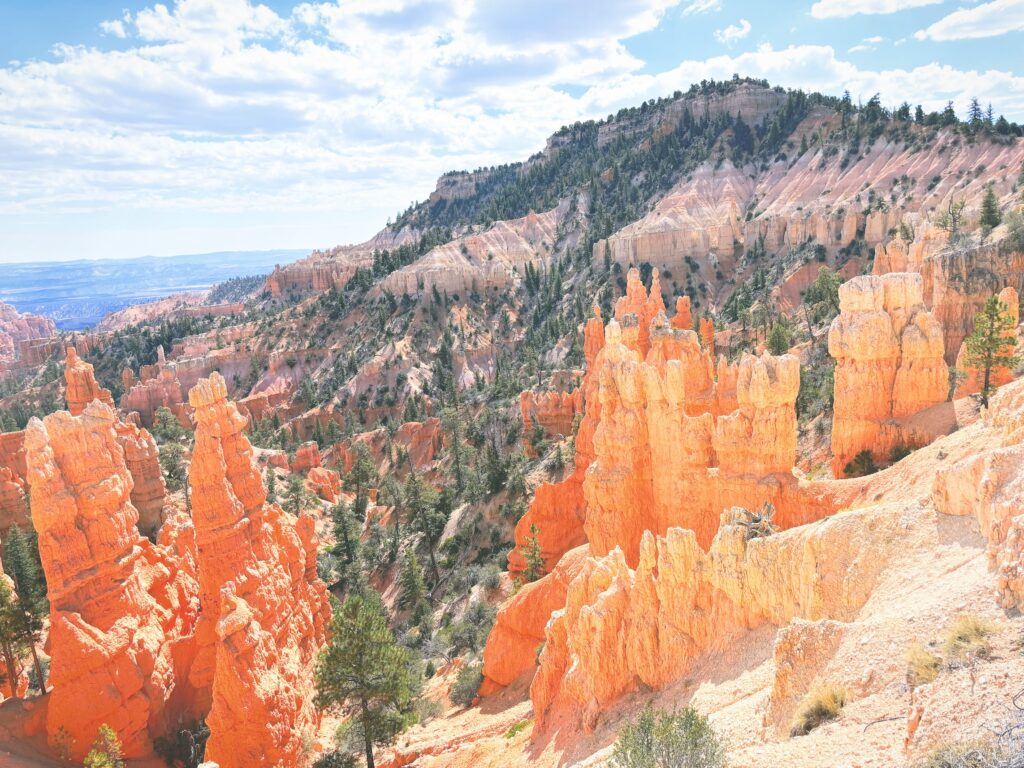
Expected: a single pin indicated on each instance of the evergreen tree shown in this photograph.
(412, 590)
(106, 750)
(166, 427)
(428, 514)
(12, 637)
(779, 339)
(991, 344)
(347, 548)
(172, 462)
(533, 555)
(363, 673)
(271, 486)
(990, 215)
(295, 499)
(363, 474)
(20, 563)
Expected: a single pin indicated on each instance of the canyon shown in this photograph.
(716, 448)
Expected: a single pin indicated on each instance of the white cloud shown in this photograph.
(841, 9)
(702, 6)
(867, 44)
(733, 33)
(329, 118)
(114, 27)
(986, 20)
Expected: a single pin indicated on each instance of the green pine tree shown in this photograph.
(12, 637)
(533, 555)
(991, 344)
(295, 498)
(347, 548)
(106, 750)
(990, 215)
(412, 590)
(271, 486)
(364, 674)
(779, 339)
(30, 590)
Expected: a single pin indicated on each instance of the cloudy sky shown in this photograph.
(132, 128)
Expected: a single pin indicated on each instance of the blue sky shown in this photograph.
(132, 128)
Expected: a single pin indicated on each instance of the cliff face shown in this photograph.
(13, 475)
(889, 364)
(554, 412)
(973, 378)
(265, 611)
(481, 261)
(82, 388)
(162, 390)
(990, 486)
(16, 327)
(122, 611)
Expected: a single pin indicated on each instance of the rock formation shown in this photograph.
(82, 388)
(325, 483)
(889, 364)
(148, 488)
(667, 440)
(13, 475)
(150, 394)
(554, 412)
(622, 628)
(122, 610)
(16, 327)
(265, 611)
(974, 379)
(990, 486)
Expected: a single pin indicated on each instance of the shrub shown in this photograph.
(516, 729)
(819, 706)
(336, 758)
(862, 464)
(426, 710)
(183, 748)
(467, 683)
(899, 452)
(968, 638)
(922, 665)
(668, 739)
(963, 755)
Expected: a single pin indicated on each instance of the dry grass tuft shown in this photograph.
(967, 638)
(923, 666)
(819, 706)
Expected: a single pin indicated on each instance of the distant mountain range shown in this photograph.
(77, 294)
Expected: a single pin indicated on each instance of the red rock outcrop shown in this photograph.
(973, 378)
(149, 491)
(325, 483)
(122, 610)
(889, 364)
(16, 327)
(518, 629)
(307, 456)
(13, 474)
(553, 411)
(82, 388)
(150, 394)
(265, 611)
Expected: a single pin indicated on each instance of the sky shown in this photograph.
(140, 128)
